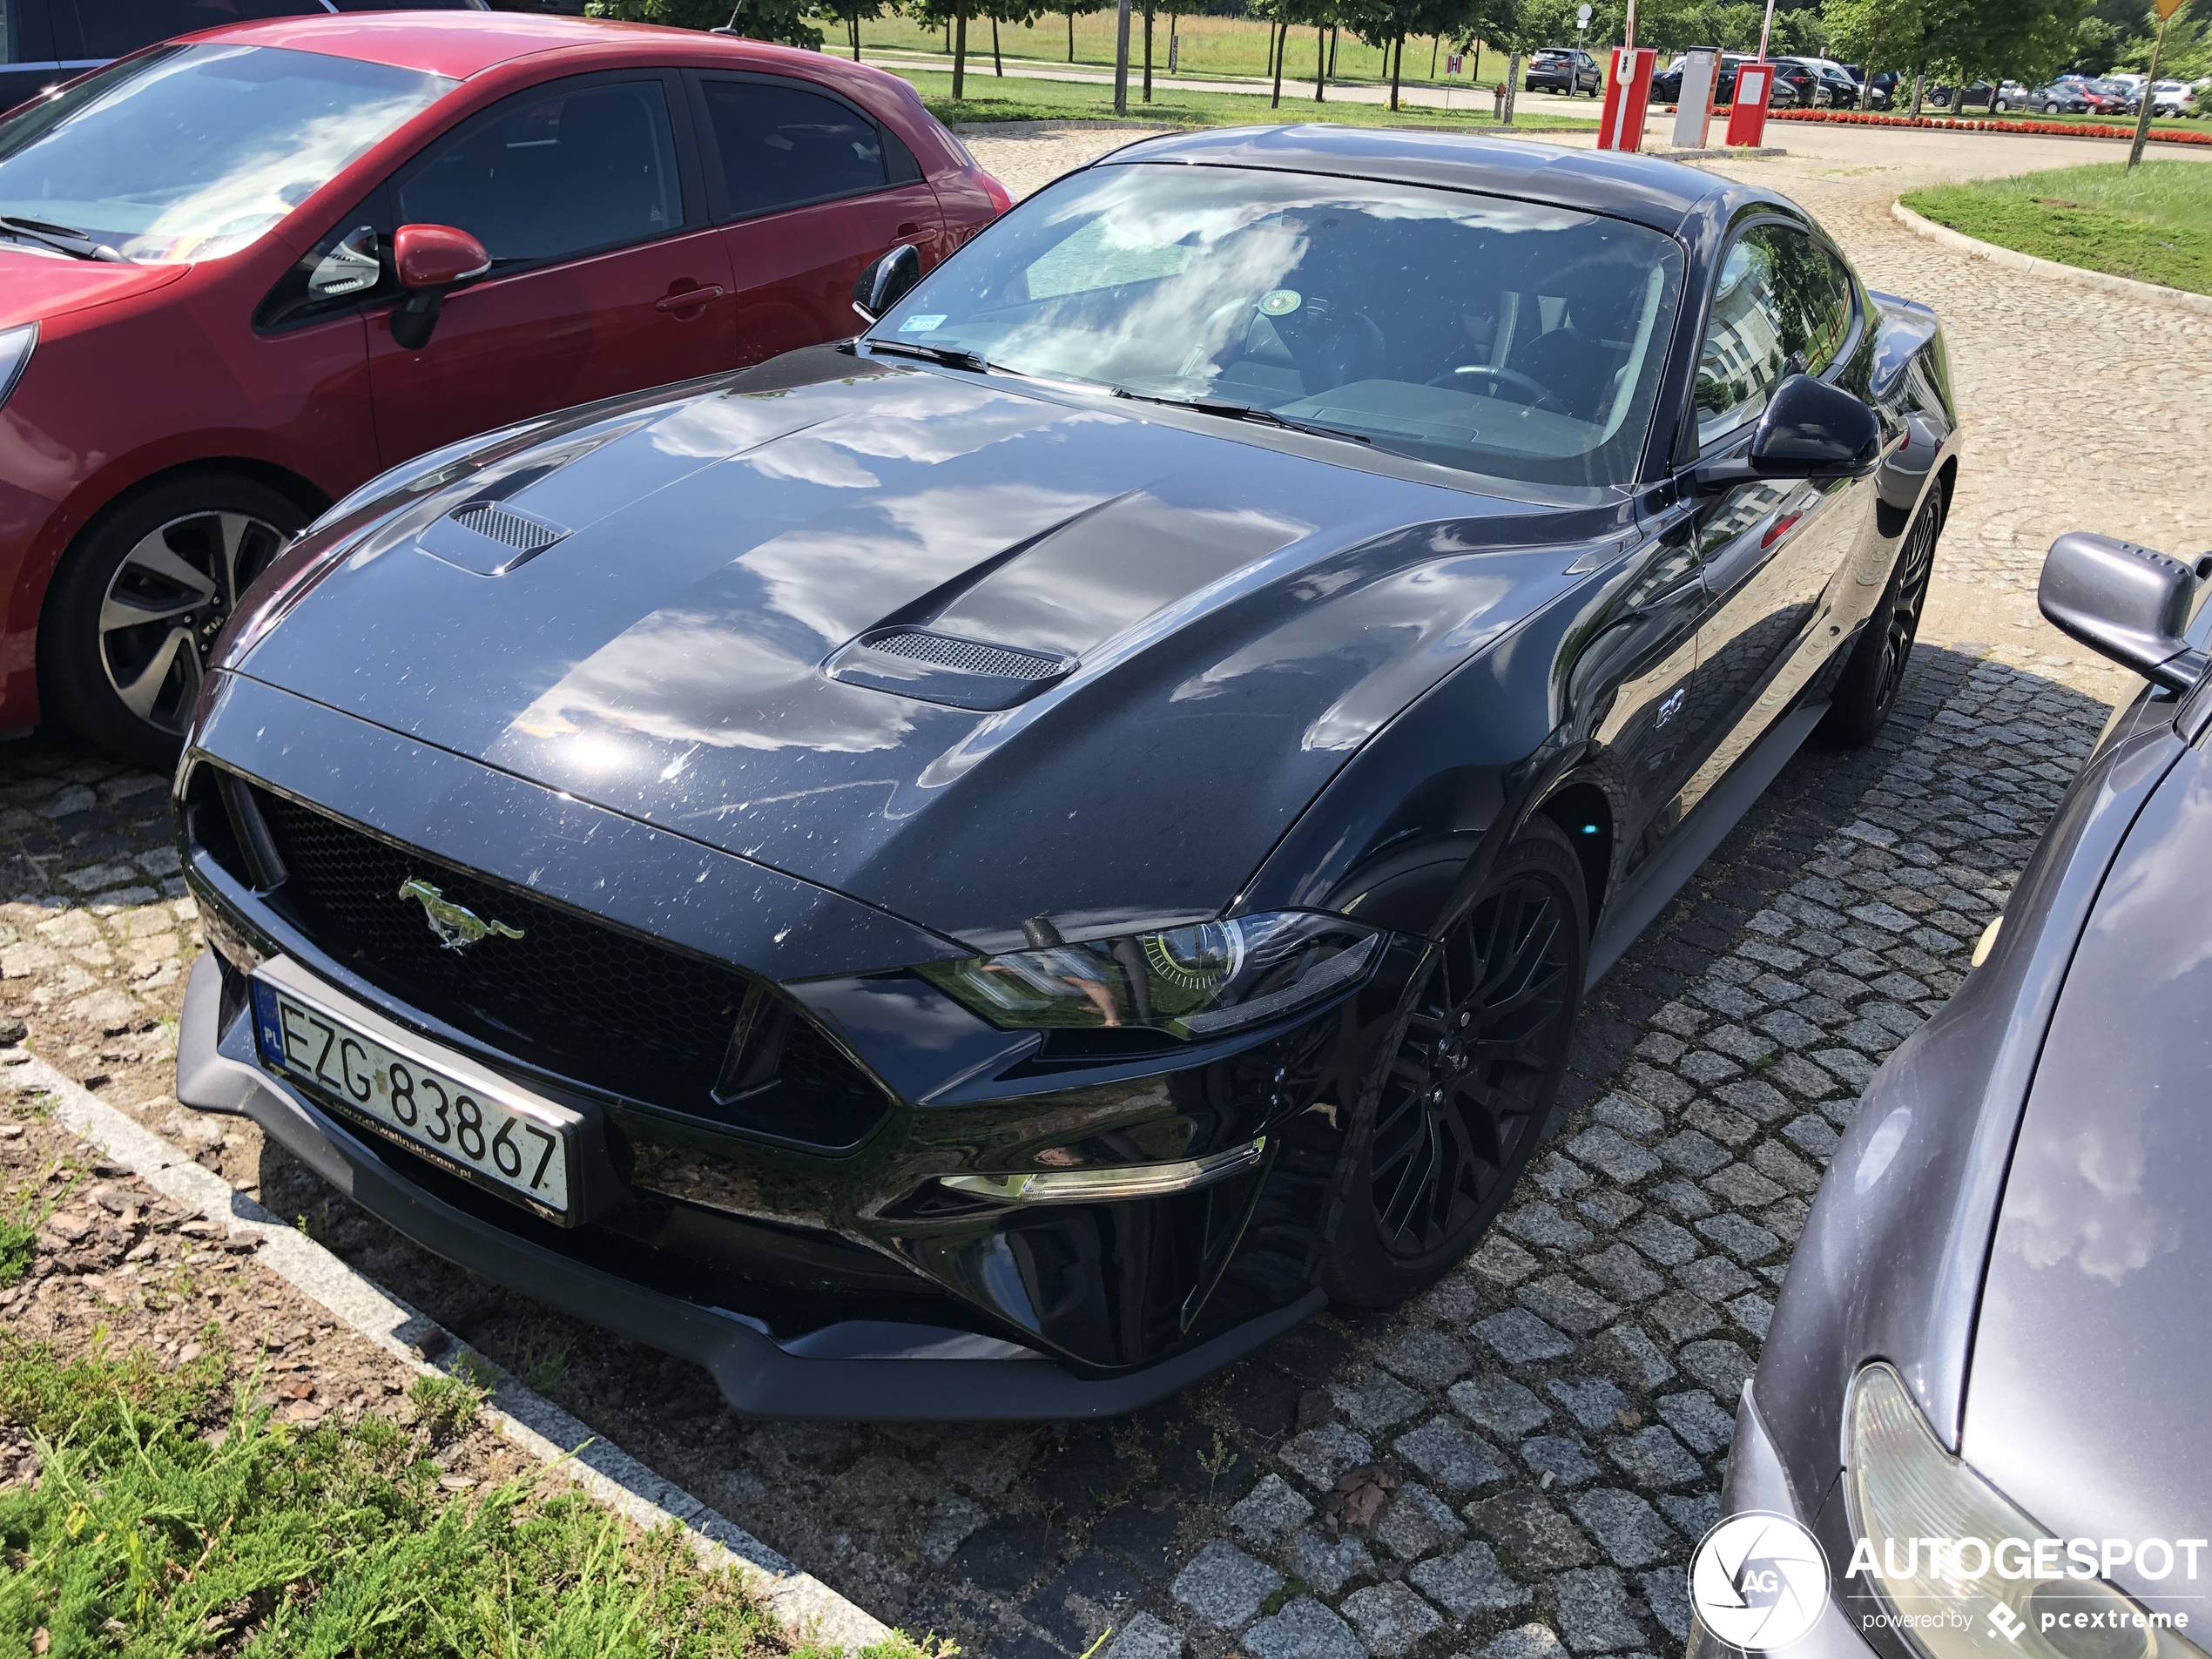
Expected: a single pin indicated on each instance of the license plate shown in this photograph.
(434, 1100)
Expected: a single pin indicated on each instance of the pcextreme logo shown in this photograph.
(1759, 1581)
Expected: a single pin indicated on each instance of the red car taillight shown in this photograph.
(999, 199)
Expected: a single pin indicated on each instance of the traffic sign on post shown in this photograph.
(1628, 94)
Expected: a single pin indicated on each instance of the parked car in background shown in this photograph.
(1666, 83)
(1563, 69)
(1994, 1331)
(1810, 83)
(44, 43)
(1886, 90)
(2109, 96)
(2171, 98)
(1842, 90)
(215, 319)
(2062, 97)
(1002, 865)
(1996, 97)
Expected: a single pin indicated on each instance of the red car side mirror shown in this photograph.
(431, 259)
(437, 256)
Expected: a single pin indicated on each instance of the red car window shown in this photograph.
(782, 145)
(551, 177)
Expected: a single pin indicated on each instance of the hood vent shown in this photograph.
(488, 537)
(940, 668)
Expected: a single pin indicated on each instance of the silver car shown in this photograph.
(1983, 1394)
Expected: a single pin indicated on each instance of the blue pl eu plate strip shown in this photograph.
(268, 1032)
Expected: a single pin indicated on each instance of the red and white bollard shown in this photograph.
(1628, 94)
(1747, 117)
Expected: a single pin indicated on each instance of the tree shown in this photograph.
(952, 14)
(1073, 8)
(778, 20)
(1387, 24)
(852, 14)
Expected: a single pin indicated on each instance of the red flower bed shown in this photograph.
(2054, 129)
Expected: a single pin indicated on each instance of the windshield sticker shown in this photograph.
(921, 324)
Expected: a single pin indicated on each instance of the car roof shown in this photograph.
(458, 45)
(1650, 191)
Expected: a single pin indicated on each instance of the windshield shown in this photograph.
(1495, 336)
(191, 152)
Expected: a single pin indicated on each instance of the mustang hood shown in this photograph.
(38, 287)
(2085, 1400)
(1167, 640)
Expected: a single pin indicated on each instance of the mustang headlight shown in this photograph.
(1194, 982)
(1964, 1573)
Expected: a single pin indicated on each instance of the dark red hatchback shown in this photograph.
(242, 272)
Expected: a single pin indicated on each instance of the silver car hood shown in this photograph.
(2086, 1399)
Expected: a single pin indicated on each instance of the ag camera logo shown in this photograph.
(1759, 1581)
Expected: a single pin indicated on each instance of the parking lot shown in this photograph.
(1522, 1459)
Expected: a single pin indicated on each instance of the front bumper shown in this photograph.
(1756, 1481)
(909, 1371)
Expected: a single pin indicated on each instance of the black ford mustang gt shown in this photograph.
(989, 870)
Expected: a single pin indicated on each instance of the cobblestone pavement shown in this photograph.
(1553, 1416)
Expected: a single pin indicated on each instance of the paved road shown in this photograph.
(1558, 1408)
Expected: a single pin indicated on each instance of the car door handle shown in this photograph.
(689, 300)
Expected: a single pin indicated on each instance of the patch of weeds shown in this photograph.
(315, 1224)
(445, 1405)
(148, 1534)
(1216, 1461)
(1765, 1062)
(544, 1365)
(899, 1645)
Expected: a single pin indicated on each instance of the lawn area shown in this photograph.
(1207, 46)
(165, 1518)
(991, 98)
(2153, 224)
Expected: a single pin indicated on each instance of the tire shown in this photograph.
(178, 554)
(1457, 1109)
(1867, 690)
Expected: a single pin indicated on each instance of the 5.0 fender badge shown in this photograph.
(457, 925)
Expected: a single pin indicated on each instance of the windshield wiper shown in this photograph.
(950, 356)
(1246, 412)
(60, 238)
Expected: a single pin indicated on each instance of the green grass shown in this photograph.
(990, 98)
(168, 1519)
(2153, 224)
(1213, 48)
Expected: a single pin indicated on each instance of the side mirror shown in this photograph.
(2127, 602)
(432, 260)
(1810, 429)
(886, 282)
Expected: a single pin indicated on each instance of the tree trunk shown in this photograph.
(1148, 51)
(998, 64)
(1071, 34)
(1475, 80)
(1512, 83)
(1320, 64)
(1282, 33)
(1397, 70)
(856, 36)
(959, 54)
(1332, 51)
(1435, 45)
(1919, 88)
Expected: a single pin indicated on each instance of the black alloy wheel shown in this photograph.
(137, 604)
(1482, 1040)
(1871, 682)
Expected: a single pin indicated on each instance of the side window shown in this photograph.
(782, 146)
(555, 175)
(1783, 306)
(110, 28)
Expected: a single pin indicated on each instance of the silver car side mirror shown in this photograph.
(2127, 602)
(886, 282)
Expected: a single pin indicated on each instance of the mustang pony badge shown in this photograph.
(457, 925)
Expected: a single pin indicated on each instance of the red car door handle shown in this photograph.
(689, 300)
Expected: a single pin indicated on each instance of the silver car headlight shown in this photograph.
(1194, 982)
(1963, 1573)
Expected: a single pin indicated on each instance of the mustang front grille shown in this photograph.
(593, 1002)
